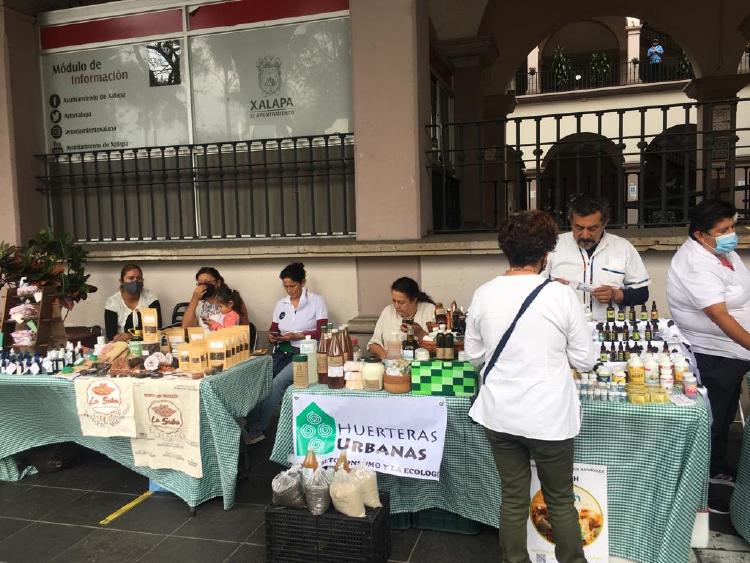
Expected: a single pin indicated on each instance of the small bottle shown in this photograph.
(336, 362)
(634, 334)
(625, 333)
(621, 314)
(409, 345)
(310, 464)
(647, 333)
(665, 349)
(342, 462)
(613, 353)
(631, 314)
(610, 312)
(655, 330)
(440, 343)
(449, 351)
(621, 353)
(644, 313)
(654, 311)
(603, 354)
(600, 332)
(322, 356)
(441, 317)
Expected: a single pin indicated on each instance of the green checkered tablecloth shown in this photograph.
(40, 410)
(657, 460)
(739, 507)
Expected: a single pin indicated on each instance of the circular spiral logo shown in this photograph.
(307, 431)
(325, 431)
(314, 418)
(316, 444)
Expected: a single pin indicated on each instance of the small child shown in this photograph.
(230, 303)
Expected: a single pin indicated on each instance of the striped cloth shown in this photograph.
(739, 507)
(657, 460)
(40, 410)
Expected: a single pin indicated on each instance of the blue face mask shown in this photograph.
(725, 243)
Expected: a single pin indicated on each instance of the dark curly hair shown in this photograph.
(294, 271)
(584, 205)
(526, 237)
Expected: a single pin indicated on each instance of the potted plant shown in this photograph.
(560, 68)
(600, 69)
(48, 260)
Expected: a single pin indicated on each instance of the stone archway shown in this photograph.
(580, 163)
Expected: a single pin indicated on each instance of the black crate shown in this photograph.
(295, 536)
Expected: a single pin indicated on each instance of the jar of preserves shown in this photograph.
(372, 374)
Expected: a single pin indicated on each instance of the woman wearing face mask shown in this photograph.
(708, 291)
(120, 315)
(409, 304)
(203, 303)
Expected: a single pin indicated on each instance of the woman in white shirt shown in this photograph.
(120, 309)
(299, 314)
(528, 403)
(409, 304)
(708, 291)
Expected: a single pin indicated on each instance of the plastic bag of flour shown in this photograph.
(317, 491)
(287, 489)
(346, 495)
(368, 484)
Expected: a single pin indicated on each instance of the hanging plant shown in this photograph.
(560, 68)
(48, 260)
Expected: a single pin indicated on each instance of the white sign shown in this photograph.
(281, 81)
(115, 98)
(168, 424)
(401, 436)
(105, 407)
(590, 489)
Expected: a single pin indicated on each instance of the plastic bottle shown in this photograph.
(310, 464)
(300, 375)
(309, 348)
(393, 347)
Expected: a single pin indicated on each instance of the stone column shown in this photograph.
(391, 91)
(633, 27)
(469, 57)
(717, 133)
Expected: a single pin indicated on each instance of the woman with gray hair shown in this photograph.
(528, 332)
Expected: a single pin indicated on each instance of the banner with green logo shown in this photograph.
(401, 436)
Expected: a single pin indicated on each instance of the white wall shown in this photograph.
(257, 280)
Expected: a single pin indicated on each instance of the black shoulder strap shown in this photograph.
(504, 340)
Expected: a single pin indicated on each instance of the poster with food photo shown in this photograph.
(590, 489)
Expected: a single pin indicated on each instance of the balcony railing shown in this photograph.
(652, 163)
(292, 187)
(584, 77)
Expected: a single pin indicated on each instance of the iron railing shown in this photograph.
(653, 163)
(534, 81)
(291, 187)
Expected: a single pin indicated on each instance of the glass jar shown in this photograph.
(372, 374)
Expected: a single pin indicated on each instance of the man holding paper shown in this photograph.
(600, 266)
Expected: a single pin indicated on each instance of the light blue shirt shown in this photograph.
(654, 54)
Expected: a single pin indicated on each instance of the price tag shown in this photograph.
(47, 365)
(11, 369)
(38, 296)
(682, 400)
(35, 369)
(32, 326)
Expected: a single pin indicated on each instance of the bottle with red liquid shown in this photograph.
(336, 362)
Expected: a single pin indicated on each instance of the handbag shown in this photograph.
(504, 340)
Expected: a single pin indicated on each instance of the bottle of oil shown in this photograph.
(342, 462)
(644, 313)
(409, 346)
(310, 464)
(610, 313)
(322, 356)
(654, 311)
(336, 362)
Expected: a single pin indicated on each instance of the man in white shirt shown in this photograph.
(600, 266)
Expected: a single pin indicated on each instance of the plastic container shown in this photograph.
(372, 374)
(296, 536)
(300, 373)
(309, 348)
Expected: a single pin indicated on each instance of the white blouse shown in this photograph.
(530, 391)
(695, 280)
(390, 322)
(116, 304)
